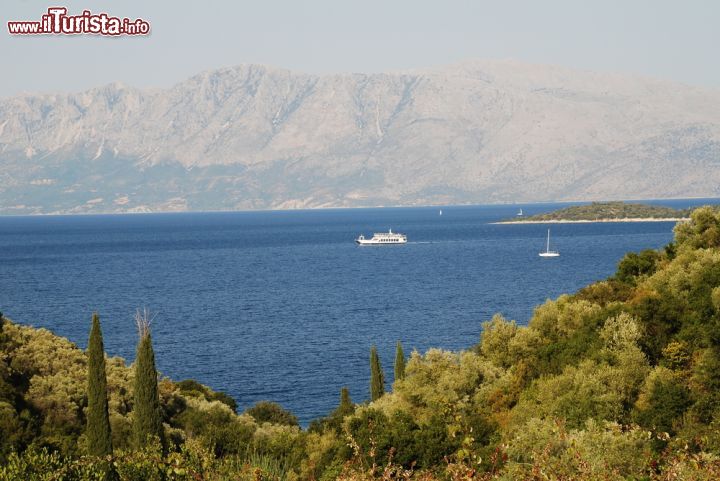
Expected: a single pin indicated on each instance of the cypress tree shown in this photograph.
(399, 362)
(346, 406)
(377, 377)
(98, 434)
(147, 416)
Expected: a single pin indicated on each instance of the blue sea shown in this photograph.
(282, 305)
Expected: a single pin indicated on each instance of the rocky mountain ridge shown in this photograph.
(257, 137)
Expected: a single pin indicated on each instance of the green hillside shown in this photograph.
(618, 381)
(598, 211)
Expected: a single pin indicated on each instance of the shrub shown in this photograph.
(270, 412)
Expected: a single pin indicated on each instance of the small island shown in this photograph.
(605, 212)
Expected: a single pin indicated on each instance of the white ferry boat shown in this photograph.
(382, 238)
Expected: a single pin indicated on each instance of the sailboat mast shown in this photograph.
(547, 249)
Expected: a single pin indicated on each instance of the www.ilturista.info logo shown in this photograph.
(57, 22)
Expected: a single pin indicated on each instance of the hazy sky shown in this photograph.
(677, 40)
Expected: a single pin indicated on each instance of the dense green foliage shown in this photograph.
(270, 412)
(147, 416)
(634, 266)
(99, 439)
(193, 388)
(619, 381)
(377, 376)
(43, 415)
(399, 366)
(608, 211)
(191, 463)
(346, 406)
(334, 421)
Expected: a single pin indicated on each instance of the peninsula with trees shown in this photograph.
(605, 212)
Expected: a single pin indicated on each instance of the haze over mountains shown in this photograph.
(257, 137)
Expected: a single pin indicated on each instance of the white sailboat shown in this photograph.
(520, 214)
(548, 252)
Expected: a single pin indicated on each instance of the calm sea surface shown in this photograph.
(283, 305)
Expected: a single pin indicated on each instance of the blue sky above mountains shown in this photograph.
(664, 39)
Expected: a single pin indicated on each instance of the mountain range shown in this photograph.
(255, 137)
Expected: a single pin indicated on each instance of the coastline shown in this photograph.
(279, 208)
(567, 221)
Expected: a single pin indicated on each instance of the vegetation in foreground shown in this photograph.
(603, 211)
(619, 381)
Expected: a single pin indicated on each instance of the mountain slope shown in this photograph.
(257, 137)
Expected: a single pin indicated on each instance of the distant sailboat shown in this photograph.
(520, 213)
(548, 252)
(440, 212)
